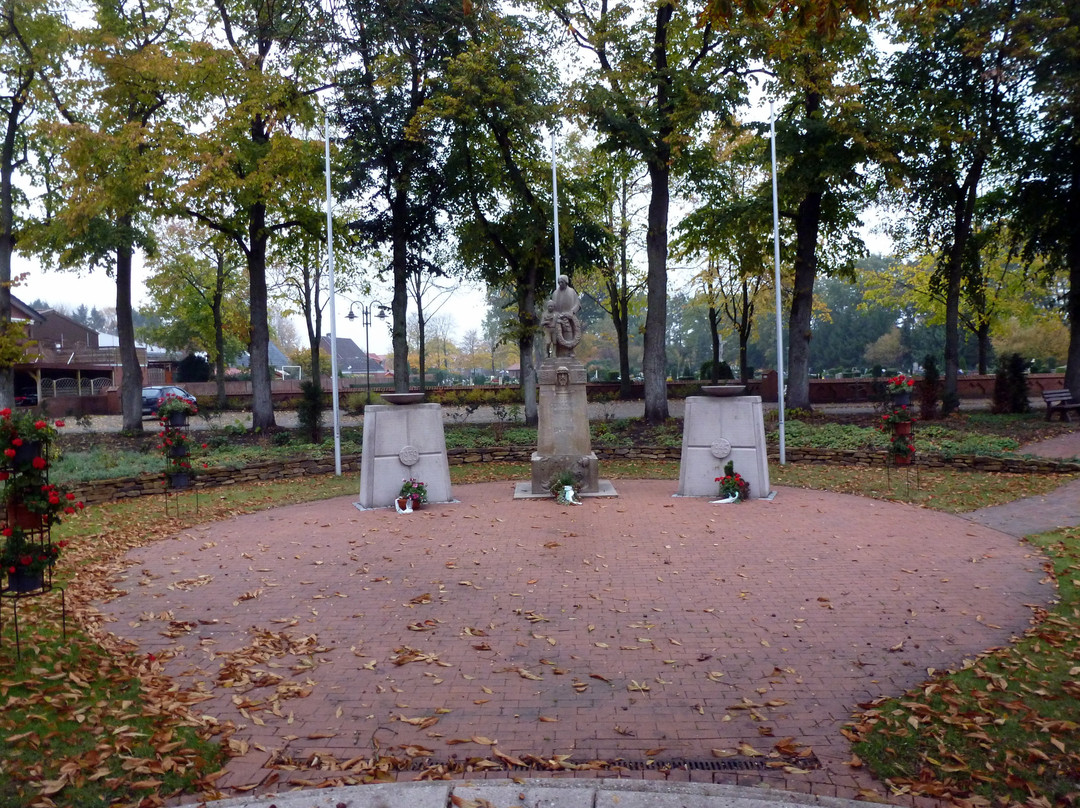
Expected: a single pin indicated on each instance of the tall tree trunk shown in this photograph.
(219, 330)
(421, 336)
(619, 291)
(132, 382)
(714, 342)
(950, 401)
(7, 232)
(316, 361)
(7, 246)
(807, 223)
(399, 258)
(1072, 258)
(526, 342)
(620, 320)
(983, 336)
(963, 215)
(262, 403)
(744, 327)
(654, 360)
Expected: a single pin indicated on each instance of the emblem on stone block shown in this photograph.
(409, 455)
(720, 448)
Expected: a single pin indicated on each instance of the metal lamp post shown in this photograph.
(365, 311)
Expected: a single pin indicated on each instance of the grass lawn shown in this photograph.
(87, 721)
(1003, 729)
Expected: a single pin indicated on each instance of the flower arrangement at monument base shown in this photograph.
(732, 485)
(414, 492)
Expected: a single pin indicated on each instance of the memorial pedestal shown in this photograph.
(718, 430)
(562, 436)
(400, 442)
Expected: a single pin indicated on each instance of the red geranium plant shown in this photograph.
(732, 484)
(33, 504)
(899, 384)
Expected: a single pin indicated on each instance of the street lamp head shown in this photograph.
(352, 314)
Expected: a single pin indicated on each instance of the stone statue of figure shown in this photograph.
(562, 328)
(549, 322)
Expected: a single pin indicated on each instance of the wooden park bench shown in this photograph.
(1060, 401)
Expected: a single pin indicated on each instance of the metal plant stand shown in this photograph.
(178, 483)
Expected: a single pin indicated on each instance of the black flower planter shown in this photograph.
(178, 451)
(23, 581)
(179, 480)
(25, 454)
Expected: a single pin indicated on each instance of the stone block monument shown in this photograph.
(403, 440)
(563, 443)
(719, 427)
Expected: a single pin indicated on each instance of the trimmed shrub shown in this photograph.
(1011, 385)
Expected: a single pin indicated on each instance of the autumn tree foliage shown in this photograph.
(31, 44)
(254, 175)
(396, 159)
(121, 118)
(652, 75)
(955, 101)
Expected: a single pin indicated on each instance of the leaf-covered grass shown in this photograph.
(1004, 729)
(219, 449)
(85, 721)
(940, 489)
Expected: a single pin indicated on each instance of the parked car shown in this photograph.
(153, 396)
(26, 397)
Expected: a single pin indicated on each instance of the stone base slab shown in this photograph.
(585, 468)
(604, 488)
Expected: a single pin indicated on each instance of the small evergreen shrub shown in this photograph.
(930, 390)
(1011, 386)
(309, 410)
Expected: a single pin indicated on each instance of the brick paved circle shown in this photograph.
(646, 626)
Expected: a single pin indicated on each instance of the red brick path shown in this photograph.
(713, 627)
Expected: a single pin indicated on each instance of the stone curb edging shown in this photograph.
(121, 488)
(548, 792)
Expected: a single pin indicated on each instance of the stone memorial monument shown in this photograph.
(403, 439)
(721, 426)
(563, 442)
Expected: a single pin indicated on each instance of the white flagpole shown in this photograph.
(555, 205)
(776, 257)
(333, 312)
